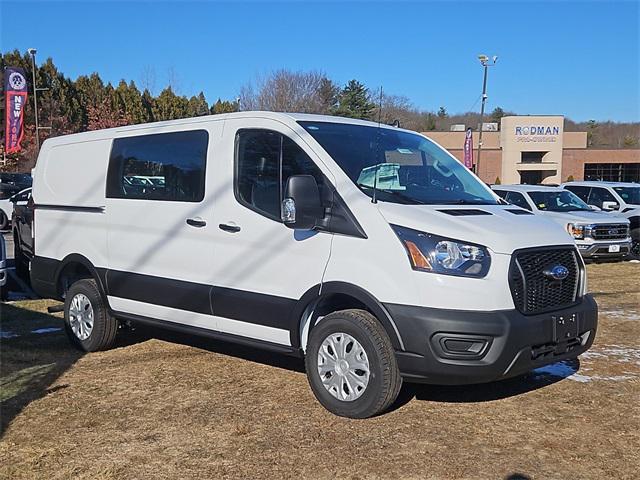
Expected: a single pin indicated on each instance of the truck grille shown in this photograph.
(610, 232)
(534, 292)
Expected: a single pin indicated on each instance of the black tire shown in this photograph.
(105, 327)
(20, 260)
(4, 220)
(635, 244)
(384, 380)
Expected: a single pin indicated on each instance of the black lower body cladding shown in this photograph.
(455, 347)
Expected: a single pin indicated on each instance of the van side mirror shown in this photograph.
(608, 206)
(302, 207)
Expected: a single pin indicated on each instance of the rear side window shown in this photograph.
(164, 166)
(580, 191)
(501, 193)
(600, 195)
(518, 199)
(264, 162)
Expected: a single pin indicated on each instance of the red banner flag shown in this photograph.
(468, 149)
(15, 92)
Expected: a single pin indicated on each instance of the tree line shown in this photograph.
(88, 103)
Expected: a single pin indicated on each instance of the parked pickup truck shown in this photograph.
(618, 198)
(597, 234)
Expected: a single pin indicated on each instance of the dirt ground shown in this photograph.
(176, 407)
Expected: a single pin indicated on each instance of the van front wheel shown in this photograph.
(351, 365)
(86, 318)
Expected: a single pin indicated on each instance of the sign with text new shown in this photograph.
(15, 92)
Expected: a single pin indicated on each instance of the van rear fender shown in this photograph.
(75, 267)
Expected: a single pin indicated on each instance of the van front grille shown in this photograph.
(533, 291)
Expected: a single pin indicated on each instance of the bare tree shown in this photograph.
(148, 79)
(287, 91)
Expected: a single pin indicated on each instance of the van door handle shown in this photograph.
(229, 228)
(196, 222)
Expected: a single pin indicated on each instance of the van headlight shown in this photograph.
(432, 253)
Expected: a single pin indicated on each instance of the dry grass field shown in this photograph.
(174, 408)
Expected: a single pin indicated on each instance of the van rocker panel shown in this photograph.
(508, 342)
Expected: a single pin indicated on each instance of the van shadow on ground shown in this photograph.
(34, 354)
(410, 391)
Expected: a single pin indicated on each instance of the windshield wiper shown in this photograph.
(395, 193)
(462, 201)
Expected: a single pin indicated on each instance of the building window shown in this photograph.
(612, 172)
(164, 166)
(532, 157)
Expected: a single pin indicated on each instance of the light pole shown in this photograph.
(32, 52)
(486, 63)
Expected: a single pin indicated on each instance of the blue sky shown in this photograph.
(580, 59)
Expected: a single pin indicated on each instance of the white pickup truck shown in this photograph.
(597, 234)
(618, 198)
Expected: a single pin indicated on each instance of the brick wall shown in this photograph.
(490, 163)
(573, 160)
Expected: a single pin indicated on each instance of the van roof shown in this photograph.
(284, 117)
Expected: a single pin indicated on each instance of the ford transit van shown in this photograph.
(367, 249)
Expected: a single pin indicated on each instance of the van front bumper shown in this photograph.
(455, 347)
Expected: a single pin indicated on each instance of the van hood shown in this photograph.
(584, 217)
(495, 228)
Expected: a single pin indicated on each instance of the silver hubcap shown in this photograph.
(343, 366)
(81, 316)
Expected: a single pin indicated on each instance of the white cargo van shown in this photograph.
(368, 249)
(597, 234)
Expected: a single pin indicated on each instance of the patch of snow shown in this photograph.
(8, 334)
(634, 261)
(568, 371)
(622, 314)
(46, 330)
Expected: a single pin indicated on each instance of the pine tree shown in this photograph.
(198, 106)
(354, 101)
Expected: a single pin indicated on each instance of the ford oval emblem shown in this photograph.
(557, 272)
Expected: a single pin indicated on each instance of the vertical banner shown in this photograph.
(15, 92)
(468, 149)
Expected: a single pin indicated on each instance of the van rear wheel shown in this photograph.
(351, 365)
(86, 317)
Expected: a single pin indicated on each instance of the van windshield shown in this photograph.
(564, 201)
(409, 168)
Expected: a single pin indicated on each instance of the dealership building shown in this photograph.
(536, 149)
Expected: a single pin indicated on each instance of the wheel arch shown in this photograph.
(75, 267)
(329, 297)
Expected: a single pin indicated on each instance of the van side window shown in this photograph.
(296, 162)
(258, 170)
(165, 166)
(264, 161)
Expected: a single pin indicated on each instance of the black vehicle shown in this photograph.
(10, 184)
(22, 228)
(18, 180)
